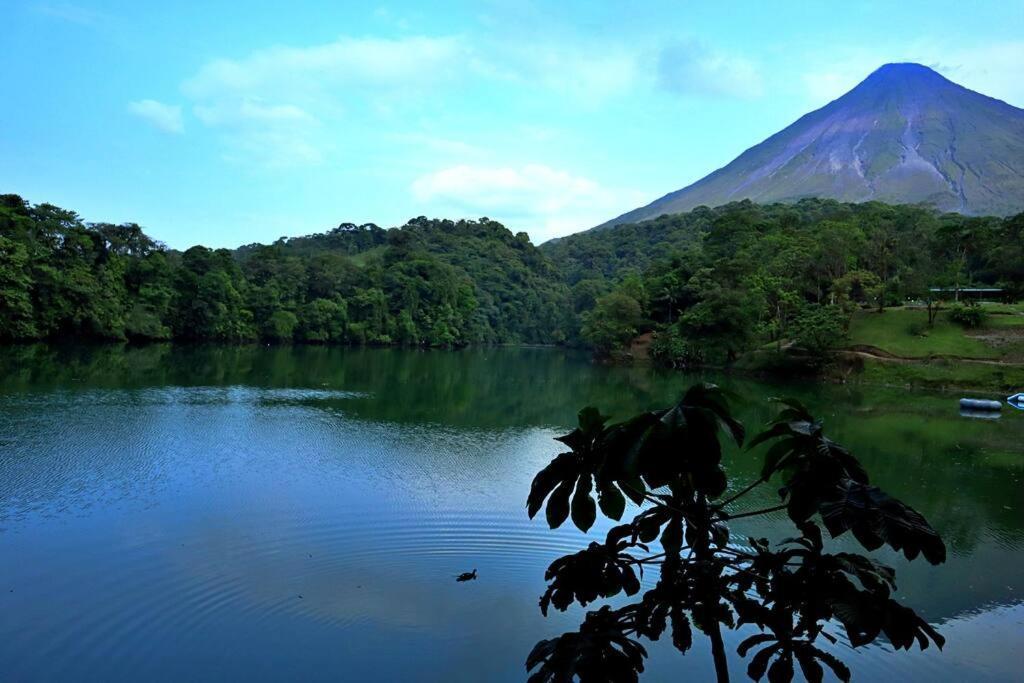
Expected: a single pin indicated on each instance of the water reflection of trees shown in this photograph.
(963, 475)
(795, 592)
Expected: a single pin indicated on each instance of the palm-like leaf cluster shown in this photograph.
(668, 462)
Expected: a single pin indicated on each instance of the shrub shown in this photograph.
(673, 349)
(819, 329)
(917, 328)
(969, 316)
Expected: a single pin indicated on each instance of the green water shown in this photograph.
(210, 513)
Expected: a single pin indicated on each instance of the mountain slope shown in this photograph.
(904, 135)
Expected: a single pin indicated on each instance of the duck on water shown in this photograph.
(466, 576)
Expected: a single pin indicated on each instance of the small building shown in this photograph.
(969, 293)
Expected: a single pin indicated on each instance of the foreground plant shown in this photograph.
(668, 462)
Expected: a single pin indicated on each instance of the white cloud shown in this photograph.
(587, 73)
(691, 68)
(439, 146)
(275, 107)
(347, 62)
(544, 201)
(166, 117)
(243, 111)
(272, 148)
(69, 12)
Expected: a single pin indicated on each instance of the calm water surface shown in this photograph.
(171, 514)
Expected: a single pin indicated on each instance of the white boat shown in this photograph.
(1017, 401)
(980, 404)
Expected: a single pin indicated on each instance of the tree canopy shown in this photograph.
(712, 283)
(716, 282)
(430, 282)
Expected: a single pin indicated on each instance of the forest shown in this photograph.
(714, 283)
(435, 283)
(710, 284)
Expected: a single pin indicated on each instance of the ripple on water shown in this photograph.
(395, 569)
(147, 526)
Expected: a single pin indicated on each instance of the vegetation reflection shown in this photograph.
(670, 463)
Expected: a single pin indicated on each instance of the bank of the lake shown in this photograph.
(898, 347)
(209, 513)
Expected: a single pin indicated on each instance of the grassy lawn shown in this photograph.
(945, 374)
(1005, 321)
(991, 307)
(905, 332)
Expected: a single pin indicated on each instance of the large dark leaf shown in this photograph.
(584, 512)
(841, 671)
(600, 571)
(591, 421)
(750, 642)
(714, 399)
(774, 457)
(875, 518)
(620, 446)
(874, 576)
(809, 666)
(865, 617)
(781, 670)
(611, 500)
(547, 479)
(759, 662)
(558, 505)
(682, 633)
(672, 537)
(597, 653)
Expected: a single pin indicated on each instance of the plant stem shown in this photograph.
(744, 492)
(718, 654)
(763, 511)
(652, 498)
(650, 558)
(706, 587)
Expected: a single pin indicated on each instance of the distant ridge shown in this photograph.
(904, 135)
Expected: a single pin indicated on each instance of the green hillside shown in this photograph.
(426, 283)
(784, 286)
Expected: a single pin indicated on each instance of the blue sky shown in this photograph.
(210, 124)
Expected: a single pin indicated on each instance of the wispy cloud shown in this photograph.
(585, 72)
(166, 117)
(279, 99)
(690, 68)
(314, 70)
(545, 201)
(271, 106)
(68, 12)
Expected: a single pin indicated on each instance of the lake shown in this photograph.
(178, 513)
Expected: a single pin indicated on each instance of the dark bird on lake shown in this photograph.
(466, 576)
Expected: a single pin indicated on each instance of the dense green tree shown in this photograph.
(733, 278)
(613, 321)
(16, 315)
(819, 329)
(323, 321)
(713, 283)
(208, 304)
